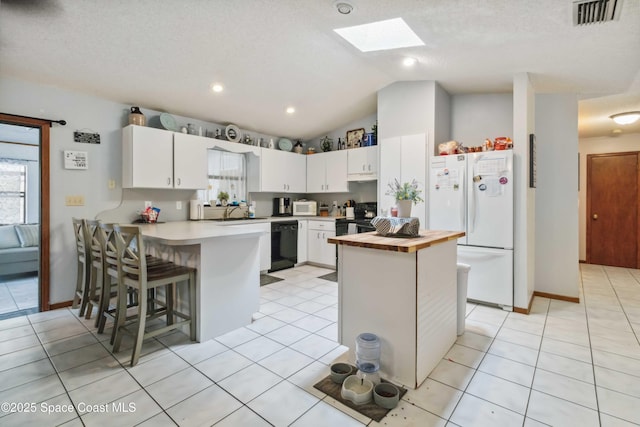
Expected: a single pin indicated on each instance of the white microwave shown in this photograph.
(305, 208)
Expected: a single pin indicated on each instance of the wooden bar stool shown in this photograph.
(135, 273)
(110, 274)
(83, 265)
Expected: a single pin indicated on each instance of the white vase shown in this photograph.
(404, 208)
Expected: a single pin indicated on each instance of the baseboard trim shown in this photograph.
(525, 310)
(62, 304)
(582, 261)
(556, 296)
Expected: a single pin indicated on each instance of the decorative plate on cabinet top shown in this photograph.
(168, 122)
(232, 132)
(284, 144)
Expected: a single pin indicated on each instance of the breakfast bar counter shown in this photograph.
(404, 291)
(228, 276)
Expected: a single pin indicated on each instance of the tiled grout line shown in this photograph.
(620, 302)
(475, 371)
(593, 365)
(66, 390)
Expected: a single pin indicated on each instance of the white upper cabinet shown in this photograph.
(327, 172)
(156, 158)
(277, 171)
(190, 162)
(363, 163)
(403, 158)
(147, 158)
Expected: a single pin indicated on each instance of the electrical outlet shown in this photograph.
(179, 205)
(111, 184)
(74, 200)
(148, 204)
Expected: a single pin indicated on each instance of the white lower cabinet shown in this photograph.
(302, 240)
(319, 251)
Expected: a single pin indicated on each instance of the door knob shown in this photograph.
(595, 216)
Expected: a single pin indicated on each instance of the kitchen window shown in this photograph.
(227, 172)
(13, 175)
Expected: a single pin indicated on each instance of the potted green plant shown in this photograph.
(223, 196)
(405, 194)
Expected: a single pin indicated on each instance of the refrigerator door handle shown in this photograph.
(472, 208)
(463, 202)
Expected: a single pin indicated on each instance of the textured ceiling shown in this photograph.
(269, 54)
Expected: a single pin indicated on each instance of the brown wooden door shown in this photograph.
(612, 209)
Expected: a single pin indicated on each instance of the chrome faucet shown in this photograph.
(227, 212)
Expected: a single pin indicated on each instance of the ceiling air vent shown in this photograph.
(593, 11)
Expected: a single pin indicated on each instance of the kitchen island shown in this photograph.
(403, 290)
(228, 276)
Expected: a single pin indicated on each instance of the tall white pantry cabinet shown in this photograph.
(403, 158)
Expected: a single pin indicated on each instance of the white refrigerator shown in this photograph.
(474, 193)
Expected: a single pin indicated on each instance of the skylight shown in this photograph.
(381, 35)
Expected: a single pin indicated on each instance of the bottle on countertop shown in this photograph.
(252, 210)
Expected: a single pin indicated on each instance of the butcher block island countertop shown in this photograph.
(373, 240)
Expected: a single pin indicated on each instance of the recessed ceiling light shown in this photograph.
(217, 87)
(626, 118)
(290, 110)
(344, 8)
(409, 62)
(381, 35)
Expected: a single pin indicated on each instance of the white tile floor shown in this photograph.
(18, 292)
(564, 364)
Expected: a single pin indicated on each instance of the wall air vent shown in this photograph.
(593, 11)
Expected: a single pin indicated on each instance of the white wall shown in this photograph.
(476, 117)
(556, 268)
(405, 108)
(612, 144)
(525, 203)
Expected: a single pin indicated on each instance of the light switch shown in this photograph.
(112, 184)
(178, 205)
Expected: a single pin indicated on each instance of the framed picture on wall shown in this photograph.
(532, 161)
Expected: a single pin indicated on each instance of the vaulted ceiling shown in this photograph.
(271, 54)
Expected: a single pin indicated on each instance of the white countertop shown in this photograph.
(194, 232)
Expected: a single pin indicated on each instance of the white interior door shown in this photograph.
(447, 202)
(490, 199)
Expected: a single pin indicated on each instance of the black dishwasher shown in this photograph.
(284, 245)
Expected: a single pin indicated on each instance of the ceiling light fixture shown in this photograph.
(344, 8)
(217, 87)
(409, 62)
(290, 110)
(380, 35)
(626, 118)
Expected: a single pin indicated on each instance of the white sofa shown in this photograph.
(19, 248)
